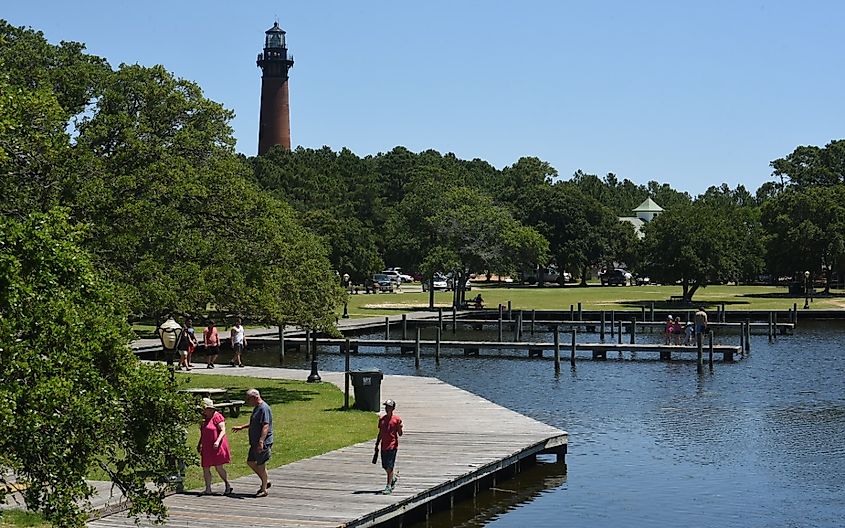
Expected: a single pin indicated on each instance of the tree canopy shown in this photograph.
(73, 397)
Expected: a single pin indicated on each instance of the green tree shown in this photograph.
(73, 396)
(806, 230)
(810, 166)
(696, 245)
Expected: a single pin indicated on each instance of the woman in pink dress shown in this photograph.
(213, 445)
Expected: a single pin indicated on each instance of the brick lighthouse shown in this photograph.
(274, 125)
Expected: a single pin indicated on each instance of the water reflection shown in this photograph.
(509, 495)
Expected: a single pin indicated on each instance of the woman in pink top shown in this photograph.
(213, 445)
(212, 344)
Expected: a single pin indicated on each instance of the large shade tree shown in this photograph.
(695, 245)
(74, 398)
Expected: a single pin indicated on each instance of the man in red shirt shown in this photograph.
(389, 431)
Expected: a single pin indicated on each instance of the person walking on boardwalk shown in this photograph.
(238, 339)
(389, 431)
(211, 339)
(213, 446)
(260, 438)
(192, 340)
(700, 321)
(187, 342)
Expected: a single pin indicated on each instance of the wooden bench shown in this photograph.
(234, 407)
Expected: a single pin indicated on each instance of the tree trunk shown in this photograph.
(685, 284)
(583, 276)
(692, 292)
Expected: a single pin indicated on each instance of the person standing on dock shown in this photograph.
(700, 321)
(260, 438)
(211, 339)
(389, 431)
(238, 339)
(667, 330)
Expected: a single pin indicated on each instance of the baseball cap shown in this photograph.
(390, 403)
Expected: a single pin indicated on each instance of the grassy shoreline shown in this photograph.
(595, 297)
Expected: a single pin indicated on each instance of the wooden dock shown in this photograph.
(455, 444)
(532, 348)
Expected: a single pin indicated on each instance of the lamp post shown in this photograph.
(806, 290)
(346, 300)
(314, 377)
(169, 332)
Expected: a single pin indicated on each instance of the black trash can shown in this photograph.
(367, 384)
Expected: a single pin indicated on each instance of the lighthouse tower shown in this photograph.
(274, 124)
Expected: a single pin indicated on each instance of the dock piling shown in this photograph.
(651, 310)
(387, 328)
(572, 348)
(612, 322)
(633, 330)
(580, 313)
(710, 349)
(437, 347)
(440, 318)
(417, 349)
(571, 312)
(699, 341)
(601, 331)
(533, 317)
(619, 333)
(509, 311)
(454, 320)
(771, 326)
(404, 327)
(501, 329)
(557, 350)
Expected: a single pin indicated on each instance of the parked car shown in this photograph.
(639, 280)
(405, 277)
(383, 282)
(547, 274)
(440, 283)
(615, 277)
(394, 275)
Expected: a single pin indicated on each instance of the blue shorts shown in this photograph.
(700, 329)
(259, 457)
(388, 458)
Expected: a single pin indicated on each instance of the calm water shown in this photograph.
(757, 443)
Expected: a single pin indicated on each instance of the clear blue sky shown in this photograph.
(689, 93)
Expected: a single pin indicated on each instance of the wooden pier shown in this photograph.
(533, 349)
(455, 444)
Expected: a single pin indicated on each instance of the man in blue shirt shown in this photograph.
(260, 438)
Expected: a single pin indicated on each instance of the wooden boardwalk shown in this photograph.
(454, 443)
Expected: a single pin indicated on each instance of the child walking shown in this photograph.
(389, 431)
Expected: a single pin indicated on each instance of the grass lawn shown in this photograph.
(21, 519)
(595, 297)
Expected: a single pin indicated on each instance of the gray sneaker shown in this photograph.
(387, 490)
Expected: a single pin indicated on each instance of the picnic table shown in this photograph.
(204, 392)
(234, 406)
